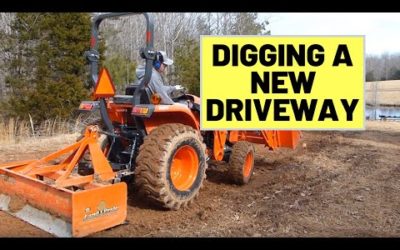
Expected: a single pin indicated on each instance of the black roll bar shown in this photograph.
(147, 53)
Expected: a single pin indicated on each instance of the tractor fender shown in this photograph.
(175, 113)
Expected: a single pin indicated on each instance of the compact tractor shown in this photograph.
(159, 150)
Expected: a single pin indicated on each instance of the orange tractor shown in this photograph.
(157, 149)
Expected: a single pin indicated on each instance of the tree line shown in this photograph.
(43, 73)
(382, 67)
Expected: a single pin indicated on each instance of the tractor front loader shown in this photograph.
(157, 149)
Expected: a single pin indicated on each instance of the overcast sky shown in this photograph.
(381, 30)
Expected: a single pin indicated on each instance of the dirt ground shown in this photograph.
(335, 184)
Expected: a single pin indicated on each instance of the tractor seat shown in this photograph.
(196, 107)
(130, 90)
(187, 100)
(123, 99)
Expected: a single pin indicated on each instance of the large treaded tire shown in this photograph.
(155, 159)
(241, 162)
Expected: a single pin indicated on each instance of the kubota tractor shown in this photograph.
(158, 149)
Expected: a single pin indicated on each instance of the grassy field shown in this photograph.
(386, 93)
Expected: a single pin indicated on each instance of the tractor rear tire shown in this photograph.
(171, 166)
(241, 162)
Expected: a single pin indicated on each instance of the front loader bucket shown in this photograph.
(56, 199)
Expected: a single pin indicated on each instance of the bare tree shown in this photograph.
(383, 67)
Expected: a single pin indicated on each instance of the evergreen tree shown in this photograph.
(246, 24)
(48, 72)
(187, 65)
(18, 66)
(187, 53)
(122, 71)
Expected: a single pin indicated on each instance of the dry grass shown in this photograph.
(14, 131)
(35, 145)
(385, 93)
(391, 126)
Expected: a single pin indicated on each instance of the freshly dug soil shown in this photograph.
(335, 184)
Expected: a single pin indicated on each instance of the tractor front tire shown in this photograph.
(241, 162)
(171, 166)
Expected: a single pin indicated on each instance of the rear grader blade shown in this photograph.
(49, 193)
